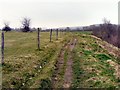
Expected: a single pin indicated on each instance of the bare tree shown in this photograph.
(105, 21)
(26, 24)
(107, 32)
(6, 27)
(67, 29)
(6, 23)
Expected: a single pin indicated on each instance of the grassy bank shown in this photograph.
(91, 68)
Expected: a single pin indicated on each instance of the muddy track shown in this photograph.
(59, 66)
(69, 72)
(67, 76)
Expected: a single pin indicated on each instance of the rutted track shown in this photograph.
(62, 77)
(59, 66)
(68, 72)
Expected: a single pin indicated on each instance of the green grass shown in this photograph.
(102, 57)
(27, 67)
(90, 67)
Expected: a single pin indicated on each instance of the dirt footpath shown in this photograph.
(68, 72)
(67, 77)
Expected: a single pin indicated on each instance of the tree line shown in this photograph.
(108, 32)
(25, 25)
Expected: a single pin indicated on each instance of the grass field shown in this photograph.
(27, 67)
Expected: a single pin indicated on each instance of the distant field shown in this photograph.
(26, 67)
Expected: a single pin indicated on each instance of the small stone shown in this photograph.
(23, 84)
(30, 78)
(55, 78)
(40, 66)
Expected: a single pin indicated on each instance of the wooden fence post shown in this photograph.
(38, 38)
(50, 35)
(60, 32)
(56, 34)
(2, 47)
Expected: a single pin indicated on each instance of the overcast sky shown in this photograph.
(58, 13)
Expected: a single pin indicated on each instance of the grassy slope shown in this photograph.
(91, 68)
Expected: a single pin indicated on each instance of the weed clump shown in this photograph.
(45, 83)
(102, 57)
